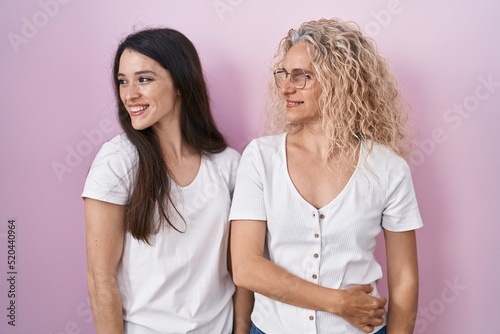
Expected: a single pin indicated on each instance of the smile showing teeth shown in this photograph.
(292, 103)
(138, 108)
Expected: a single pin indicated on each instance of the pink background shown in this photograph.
(58, 109)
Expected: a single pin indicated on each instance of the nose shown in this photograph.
(129, 92)
(287, 87)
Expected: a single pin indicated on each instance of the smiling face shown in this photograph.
(301, 104)
(147, 91)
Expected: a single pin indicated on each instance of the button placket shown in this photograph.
(315, 217)
(310, 315)
(317, 251)
(313, 258)
(317, 247)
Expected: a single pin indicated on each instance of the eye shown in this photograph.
(298, 74)
(122, 82)
(280, 76)
(142, 79)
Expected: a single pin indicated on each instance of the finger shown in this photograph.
(366, 288)
(375, 321)
(382, 301)
(378, 321)
(376, 313)
(379, 313)
(367, 328)
(377, 303)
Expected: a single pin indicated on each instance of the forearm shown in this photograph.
(402, 310)
(106, 305)
(264, 277)
(243, 300)
(402, 279)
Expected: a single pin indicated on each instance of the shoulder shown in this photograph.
(117, 150)
(383, 161)
(267, 144)
(270, 142)
(264, 154)
(112, 173)
(121, 142)
(226, 161)
(228, 157)
(229, 154)
(381, 153)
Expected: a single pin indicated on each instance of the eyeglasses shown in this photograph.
(298, 77)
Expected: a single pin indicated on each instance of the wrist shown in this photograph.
(335, 301)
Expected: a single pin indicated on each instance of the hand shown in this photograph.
(362, 310)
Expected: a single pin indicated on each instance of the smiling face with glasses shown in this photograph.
(298, 88)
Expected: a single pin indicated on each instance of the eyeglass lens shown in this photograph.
(297, 77)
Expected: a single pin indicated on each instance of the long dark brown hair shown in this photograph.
(151, 193)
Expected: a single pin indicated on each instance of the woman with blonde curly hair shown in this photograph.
(310, 201)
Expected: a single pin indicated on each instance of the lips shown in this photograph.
(291, 104)
(136, 109)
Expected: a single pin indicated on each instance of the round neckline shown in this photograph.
(195, 179)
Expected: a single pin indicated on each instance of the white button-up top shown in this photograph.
(333, 246)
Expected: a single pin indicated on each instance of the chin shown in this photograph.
(139, 127)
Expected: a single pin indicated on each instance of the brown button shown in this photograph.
(314, 215)
(316, 255)
(314, 276)
(321, 216)
(316, 235)
(311, 317)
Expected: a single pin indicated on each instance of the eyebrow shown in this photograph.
(307, 71)
(137, 73)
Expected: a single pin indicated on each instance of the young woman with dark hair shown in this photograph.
(157, 198)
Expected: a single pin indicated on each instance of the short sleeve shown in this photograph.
(401, 211)
(112, 173)
(233, 159)
(248, 198)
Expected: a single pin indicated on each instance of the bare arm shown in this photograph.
(243, 300)
(243, 305)
(254, 272)
(105, 232)
(402, 277)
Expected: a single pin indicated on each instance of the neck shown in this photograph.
(174, 147)
(312, 139)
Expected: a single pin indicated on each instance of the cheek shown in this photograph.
(315, 99)
(121, 92)
(316, 92)
(166, 95)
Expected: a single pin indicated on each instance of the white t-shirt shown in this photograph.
(180, 284)
(332, 246)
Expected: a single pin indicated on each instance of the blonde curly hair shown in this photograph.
(359, 98)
